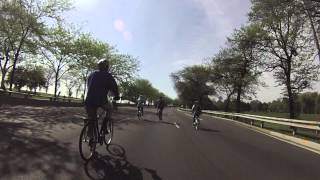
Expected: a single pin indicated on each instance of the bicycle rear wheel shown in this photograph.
(86, 148)
(109, 132)
(139, 114)
(197, 123)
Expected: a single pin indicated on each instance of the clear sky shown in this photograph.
(166, 35)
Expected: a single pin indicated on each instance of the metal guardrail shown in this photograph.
(292, 123)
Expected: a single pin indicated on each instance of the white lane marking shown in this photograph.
(192, 116)
(177, 125)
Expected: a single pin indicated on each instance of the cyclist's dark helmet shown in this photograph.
(103, 64)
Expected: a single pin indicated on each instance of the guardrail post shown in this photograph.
(262, 124)
(251, 122)
(294, 131)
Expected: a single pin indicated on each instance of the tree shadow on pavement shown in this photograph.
(129, 116)
(40, 118)
(115, 166)
(23, 156)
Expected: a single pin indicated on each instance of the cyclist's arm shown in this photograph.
(114, 89)
(89, 80)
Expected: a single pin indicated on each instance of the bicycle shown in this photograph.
(159, 113)
(140, 113)
(196, 122)
(102, 135)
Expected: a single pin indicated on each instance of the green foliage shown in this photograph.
(193, 83)
(22, 27)
(132, 90)
(20, 79)
(34, 27)
(31, 76)
(285, 46)
(123, 67)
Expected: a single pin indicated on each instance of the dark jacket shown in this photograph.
(99, 85)
(160, 104)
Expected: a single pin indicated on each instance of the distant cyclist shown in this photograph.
(140, 104)
(99, 84)
(160, 106)
(196, 111)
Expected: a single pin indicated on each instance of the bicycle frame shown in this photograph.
(98, 133)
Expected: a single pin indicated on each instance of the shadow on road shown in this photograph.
(115, 166)
(208, 130)
(21, 155)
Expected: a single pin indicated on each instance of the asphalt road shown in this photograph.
(42, 143)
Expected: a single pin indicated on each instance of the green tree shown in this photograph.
(22, 26)
(57, 54)
(71, 82)
(132, 90)
(193, 83)
(123, 67)
(87, 51)
(224, 76)
(245, 61)
(20, 79)
(308, 102)
(310, 11)
(31, 76)
(35, 78)
(285, 46)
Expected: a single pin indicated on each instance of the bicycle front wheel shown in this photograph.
(139, 115)
(109, 132)
(86, 147)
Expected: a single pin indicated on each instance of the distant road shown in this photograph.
(42, 143)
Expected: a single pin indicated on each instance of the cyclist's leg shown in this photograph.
(107, 110)
(92, 117)
(142, 110)
(198, 116)
(160, 114)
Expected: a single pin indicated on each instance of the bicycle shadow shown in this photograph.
(159, 122)
(209, 130)
(115, 165)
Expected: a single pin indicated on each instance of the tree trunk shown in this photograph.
(4, 69)
(77, 92)
(238, 102)
(56, 84)
(226, 107)
(291, 102)
(3, 80)
(16, 56)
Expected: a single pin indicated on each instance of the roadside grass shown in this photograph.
(41, 96)
(300, 133)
